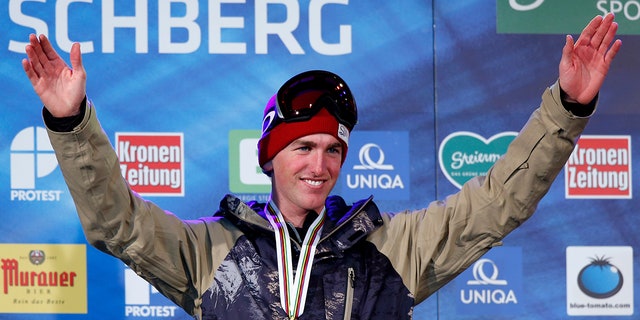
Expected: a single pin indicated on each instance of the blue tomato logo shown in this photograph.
(600, 279)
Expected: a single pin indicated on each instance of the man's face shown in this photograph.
(305, 172)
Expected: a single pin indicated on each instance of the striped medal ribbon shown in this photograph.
(293, 287)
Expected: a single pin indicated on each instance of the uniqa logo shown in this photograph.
(487, 296)
(515, 5)
(367, 162)
(481, 278)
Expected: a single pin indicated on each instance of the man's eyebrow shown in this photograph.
(309, 143)
(336, 145)
(305, 142)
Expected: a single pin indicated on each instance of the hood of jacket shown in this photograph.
(344, 224)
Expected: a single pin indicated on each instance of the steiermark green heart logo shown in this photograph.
(464, 155)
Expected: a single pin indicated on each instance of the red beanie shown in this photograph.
(277, 134)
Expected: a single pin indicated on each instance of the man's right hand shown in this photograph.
(60, 88)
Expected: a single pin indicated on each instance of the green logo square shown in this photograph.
(245, 175)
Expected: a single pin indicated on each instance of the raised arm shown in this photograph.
(60, 88)
(584, 65)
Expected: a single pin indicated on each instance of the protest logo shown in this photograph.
(143, 300)
(599, 167)
(464, 155)
(32, 159)
(152, 163)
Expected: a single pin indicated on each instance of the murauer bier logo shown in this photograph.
(43, 278)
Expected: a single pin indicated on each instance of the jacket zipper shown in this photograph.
(351, 284)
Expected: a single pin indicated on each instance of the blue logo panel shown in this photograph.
(492, 285)
(378, 164)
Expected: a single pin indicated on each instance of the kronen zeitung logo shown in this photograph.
(464, 155)
(152, 163)
(600, 167)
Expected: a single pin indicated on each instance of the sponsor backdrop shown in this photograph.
(442, 87)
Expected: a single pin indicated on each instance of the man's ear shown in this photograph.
(267, 169)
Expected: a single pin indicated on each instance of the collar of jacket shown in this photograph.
(344, 225)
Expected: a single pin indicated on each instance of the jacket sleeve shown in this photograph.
(173, 255)
(429, 247)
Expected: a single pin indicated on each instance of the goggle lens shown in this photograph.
(304, 95)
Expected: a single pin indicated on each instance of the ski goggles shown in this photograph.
(302, 96)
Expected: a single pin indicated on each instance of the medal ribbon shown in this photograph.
(293, 288)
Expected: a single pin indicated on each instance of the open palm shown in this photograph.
(60, 88)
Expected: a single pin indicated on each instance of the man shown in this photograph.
(304, 254)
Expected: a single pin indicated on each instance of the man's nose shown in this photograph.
(318, 163)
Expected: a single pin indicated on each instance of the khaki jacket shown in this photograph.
(423, 248)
